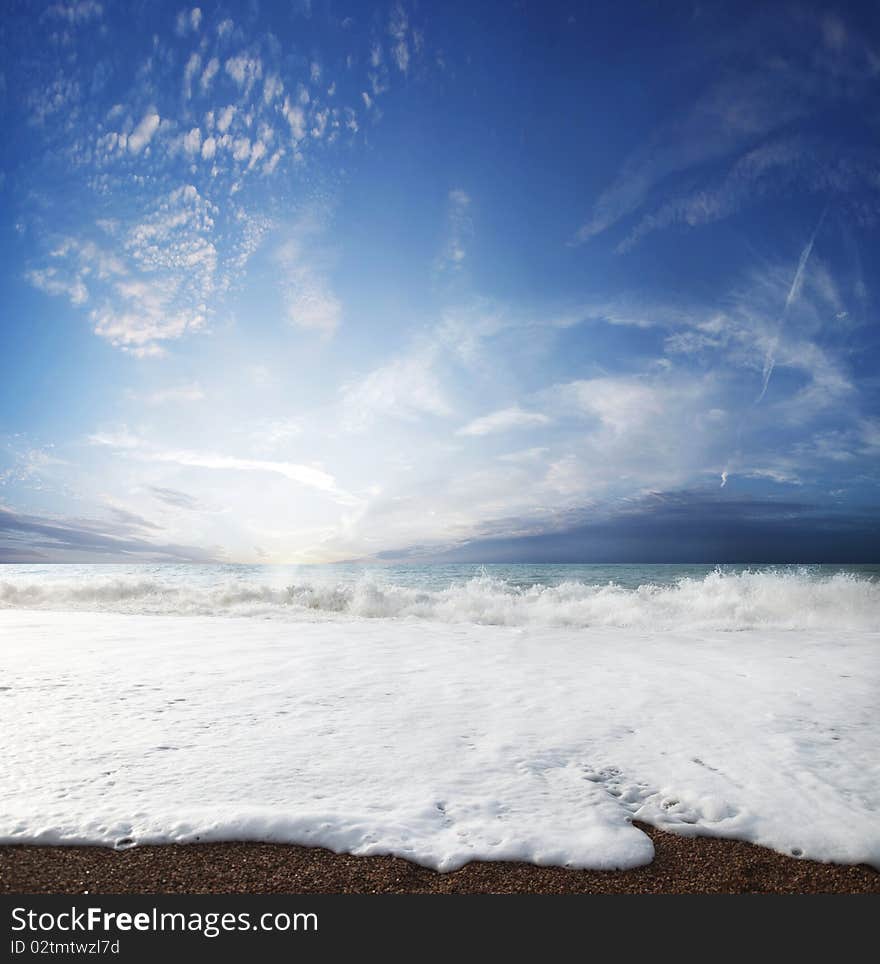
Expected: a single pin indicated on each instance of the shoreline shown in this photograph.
(682, 865)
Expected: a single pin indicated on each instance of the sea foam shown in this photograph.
(445, 742)
(721, 600)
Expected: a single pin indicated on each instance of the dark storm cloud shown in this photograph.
(27, 538)
(175, 497)
(689, 526)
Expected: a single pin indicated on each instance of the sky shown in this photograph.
(322, 281)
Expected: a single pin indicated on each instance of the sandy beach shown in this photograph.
(682, 865)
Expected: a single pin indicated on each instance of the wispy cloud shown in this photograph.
(34, 538)
(305, 475)
(310, 301)
(406, 388)
(174, 394)
(174, 498)
(742, 120)
(504, 420)
(793, 292)
(246, 112)
(459, 230)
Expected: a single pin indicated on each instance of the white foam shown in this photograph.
(441, 743)
(768, 599)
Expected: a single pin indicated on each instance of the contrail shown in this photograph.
(793, 291)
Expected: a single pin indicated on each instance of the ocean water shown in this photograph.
(650, 596)
(443, 714)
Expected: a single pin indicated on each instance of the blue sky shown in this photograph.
(321, 281)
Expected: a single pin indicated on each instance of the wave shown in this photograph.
(721, 600)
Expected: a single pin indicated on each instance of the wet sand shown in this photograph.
(682, 865)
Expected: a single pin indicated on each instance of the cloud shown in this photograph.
(192, 142)
(766, 78)
(295, 116)
(192, 392)
(398, 27)
(188, 21)
(793, 292)
(621, 403)
(32, 538)
(174, 498)
(305, 475)
(244, 70)
(33, 465)
(460, 229)
(680, 526)
(273, 88)
(171, 275)
(742, 330)
(406, 388)
(48, 280)
(310, 302)
(272, 433)
(208, 74)
(143, 133)
(193, 65)
(132, 518)
(504, 420)
(77, 11)
(121, 439)
(225, 117)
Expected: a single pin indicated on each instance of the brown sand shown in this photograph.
(682, 865)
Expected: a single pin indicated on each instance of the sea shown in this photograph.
(443, 713)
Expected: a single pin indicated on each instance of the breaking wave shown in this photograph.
(721, 600)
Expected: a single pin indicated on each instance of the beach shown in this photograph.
(481, 730)
(681, 865)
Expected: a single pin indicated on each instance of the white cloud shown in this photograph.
(273, 88)
(244, 70)
(296, 118)
(209, 73)
(188, 20)
(310, 301)
(118, 439)
(620, 403)
(274, 433)
(398, 27)
(143, 133)
(406, 388)
(48, 280)
(224, 118)
(78, 11)
(272, 163)
(79, 261)
(139, 327)
(258, 150)
(241, 148)
(193, 65)
(176, 394)
(460, 228)
(782, 75)
(305, 475)
(504, 420)
(192, 142)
